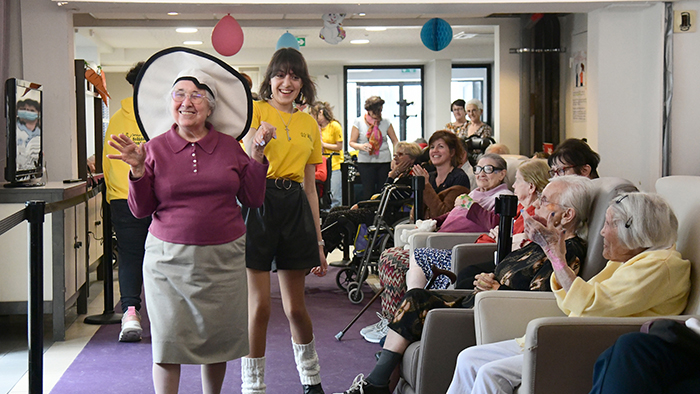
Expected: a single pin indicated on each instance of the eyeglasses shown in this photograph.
(544, 201)
(488, 169)
(179, 96)
(559, 171)
(628, 223)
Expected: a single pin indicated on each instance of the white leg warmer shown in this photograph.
(253, 375)
(307, 363)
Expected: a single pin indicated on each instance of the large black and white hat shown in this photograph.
(234, 104)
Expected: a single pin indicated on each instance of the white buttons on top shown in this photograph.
(194, 159)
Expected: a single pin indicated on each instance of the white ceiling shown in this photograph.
(141, 27)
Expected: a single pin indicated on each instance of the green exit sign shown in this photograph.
(301, 41)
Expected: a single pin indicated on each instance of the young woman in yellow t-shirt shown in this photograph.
(332, 140)
(284, 234)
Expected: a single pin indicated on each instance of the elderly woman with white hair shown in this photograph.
(645, 276)
(477, 132)
(189, 179)
(566, 200)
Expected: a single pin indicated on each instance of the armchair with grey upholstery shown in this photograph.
(449, 240)
(428, 365)
(552, 359)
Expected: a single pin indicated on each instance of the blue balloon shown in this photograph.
(436, 34)
(287, 40)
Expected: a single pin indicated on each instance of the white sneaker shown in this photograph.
(131, 326)
(374, 326)
(378, 331)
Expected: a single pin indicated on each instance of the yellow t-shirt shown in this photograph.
(116, 172)
(288, 156)
(332, 134)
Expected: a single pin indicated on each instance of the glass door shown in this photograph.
(402, 91)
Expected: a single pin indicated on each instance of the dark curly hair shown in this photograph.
(133, 73)
(289, 60)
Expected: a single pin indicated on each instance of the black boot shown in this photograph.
(313, 389)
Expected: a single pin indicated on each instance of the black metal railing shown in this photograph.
(34, 213)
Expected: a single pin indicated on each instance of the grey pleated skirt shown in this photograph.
(197, 301)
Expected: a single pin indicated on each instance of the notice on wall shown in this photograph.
(580, 82)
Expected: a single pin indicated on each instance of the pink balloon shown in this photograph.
(227, 36)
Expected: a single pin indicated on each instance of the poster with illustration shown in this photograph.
(580, 79)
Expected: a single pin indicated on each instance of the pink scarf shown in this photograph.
(374, 136)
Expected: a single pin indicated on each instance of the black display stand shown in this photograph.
(108, 316)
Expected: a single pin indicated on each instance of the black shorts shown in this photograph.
(281, 234)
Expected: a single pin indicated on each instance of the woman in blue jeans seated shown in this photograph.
(663, 358)
(566, 201)
(645, 276)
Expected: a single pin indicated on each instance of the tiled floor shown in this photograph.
(58, 356)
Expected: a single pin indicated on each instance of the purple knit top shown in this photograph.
(190, 189)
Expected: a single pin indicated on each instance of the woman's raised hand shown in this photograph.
(418, 170)
(403, 163)
(547, 235)
(264, 134)
(130, 153)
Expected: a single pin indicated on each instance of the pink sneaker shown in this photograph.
(131, 326)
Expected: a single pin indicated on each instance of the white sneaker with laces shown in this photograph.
(378, 332)
(131, 326)
(372, 327)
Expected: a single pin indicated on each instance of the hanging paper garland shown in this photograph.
(227, 36)
(436, 34)
(287, 40)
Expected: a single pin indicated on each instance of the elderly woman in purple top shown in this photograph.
(188, 180)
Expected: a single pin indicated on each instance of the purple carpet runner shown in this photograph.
(107, 366)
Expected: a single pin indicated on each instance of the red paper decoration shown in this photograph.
(227, 36)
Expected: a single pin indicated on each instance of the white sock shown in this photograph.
(253, 375)
(307, 363)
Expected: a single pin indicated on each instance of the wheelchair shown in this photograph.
(372, 239)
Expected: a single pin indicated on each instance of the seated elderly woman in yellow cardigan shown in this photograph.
(645, 276)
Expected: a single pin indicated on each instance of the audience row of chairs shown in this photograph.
(560, 351)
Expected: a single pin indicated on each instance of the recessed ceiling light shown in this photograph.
(173, 13)
(361, 14)
(192, 43)
(186, 30)
(375, 28)
(359, 42)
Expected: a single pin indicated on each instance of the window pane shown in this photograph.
(392, 85)
(471, 82)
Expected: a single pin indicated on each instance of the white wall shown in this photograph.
(437, 79)
(506, 77)
(118, 89)
(625, 50)
(685, 133)
(47, 49)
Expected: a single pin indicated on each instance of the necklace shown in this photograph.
(286, 124)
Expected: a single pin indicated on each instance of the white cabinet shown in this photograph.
(66, 253)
